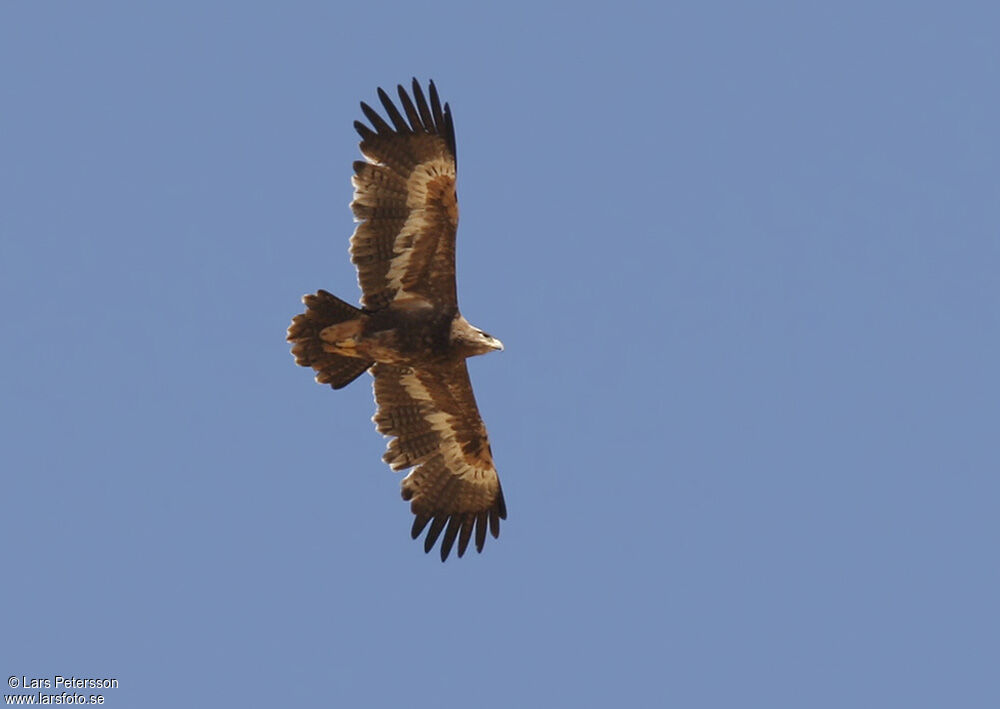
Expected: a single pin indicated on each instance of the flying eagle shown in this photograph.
(409, 333)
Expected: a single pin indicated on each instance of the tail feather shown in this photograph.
(323, 310)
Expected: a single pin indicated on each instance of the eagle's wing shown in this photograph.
(432, 415)
(405, 202)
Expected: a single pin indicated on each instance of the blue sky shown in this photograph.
(743, 257)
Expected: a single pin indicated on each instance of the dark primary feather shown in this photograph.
(394, 115)
(432, 534)
(364, 131)
(421, 117)
(376, 120)
(436, 107)
(425, 113)
(411, 111)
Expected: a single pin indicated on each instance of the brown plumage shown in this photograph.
(409, 332)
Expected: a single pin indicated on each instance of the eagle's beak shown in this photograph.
(497, 345)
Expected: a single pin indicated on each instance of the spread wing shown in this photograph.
(405, 201)
(454, 487)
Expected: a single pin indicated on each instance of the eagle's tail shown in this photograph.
(322, 311)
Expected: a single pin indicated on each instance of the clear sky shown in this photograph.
(744, 258)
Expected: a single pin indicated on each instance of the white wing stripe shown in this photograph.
(416, 223)
(440, 422)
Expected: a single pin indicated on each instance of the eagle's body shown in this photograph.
(409, 332)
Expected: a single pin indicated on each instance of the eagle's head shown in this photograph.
(490, 341)
(471, 339)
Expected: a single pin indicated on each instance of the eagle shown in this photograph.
(408, 332)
